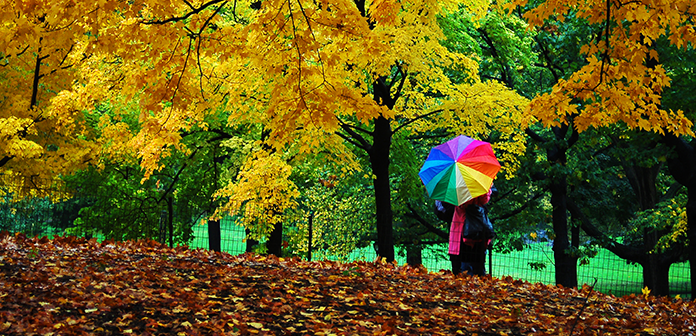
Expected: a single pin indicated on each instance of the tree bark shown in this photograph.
(414, 255)
(691, 235)
(683, 169)
(379, 159)
(656, 274)
(214, 235)
(275, 241)
(250, 243)
(566, 264)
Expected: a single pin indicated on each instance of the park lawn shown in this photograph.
(71, 286)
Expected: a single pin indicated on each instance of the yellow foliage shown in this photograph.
(261, 195)
(617, 85)
(42, 132)
(297, 67)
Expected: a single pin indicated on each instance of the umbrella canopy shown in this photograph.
(459, 170)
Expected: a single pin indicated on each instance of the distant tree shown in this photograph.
(621, 82)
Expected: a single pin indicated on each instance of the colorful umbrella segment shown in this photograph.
(459, 170)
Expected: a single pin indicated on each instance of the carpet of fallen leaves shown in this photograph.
(71, 286)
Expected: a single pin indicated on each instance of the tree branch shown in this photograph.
(186, 16)
(520, 209)
(5, 159)
(534, 135)
(353, 137)
(410, 121)
(175, 179)
(505, 69)
(550, 66)
(622, 251)
(413, 214)
(401, 82)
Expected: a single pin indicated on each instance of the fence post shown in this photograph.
(170, 208)
(309, 240)
(162, 225)
(490, 259)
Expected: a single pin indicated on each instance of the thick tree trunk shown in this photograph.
(656, 274)
(414, 255)
(214, 236)
(379, 159)
(275, 241)
(566, 264)
(683, 169)
(691, 235)
(644, 185)
(655, 266)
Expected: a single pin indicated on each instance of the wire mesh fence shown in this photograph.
(534, 264)
(613, 275)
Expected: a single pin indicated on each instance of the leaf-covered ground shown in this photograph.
(69, 286)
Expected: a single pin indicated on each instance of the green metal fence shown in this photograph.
(613, 274)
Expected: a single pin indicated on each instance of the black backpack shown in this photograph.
(477, 225)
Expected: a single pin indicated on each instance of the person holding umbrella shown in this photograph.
(459, 176)
(467, 254)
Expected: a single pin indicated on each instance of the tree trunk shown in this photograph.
(656, 274)
(214, 235)
(683, 169)
(644, 185)
(414, 255)
(309, 236)
(691, 235)
(379, 159)
(566, 264)
(643, 180)
(250, 243)
(275, 241)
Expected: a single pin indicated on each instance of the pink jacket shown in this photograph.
(455, 236)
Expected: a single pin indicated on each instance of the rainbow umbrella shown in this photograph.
(459, 170)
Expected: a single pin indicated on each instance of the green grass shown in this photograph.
(613, 274)
(231, 237)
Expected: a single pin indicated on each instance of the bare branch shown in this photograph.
(534, 135)
(431, 228)
(186, 16)
(353, 137)
(524, 206)
(410, 121)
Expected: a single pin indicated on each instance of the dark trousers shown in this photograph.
(471, 259)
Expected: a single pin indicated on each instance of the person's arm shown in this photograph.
(444, 211)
